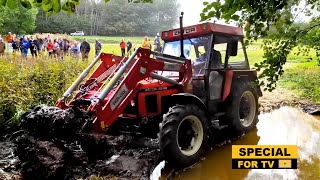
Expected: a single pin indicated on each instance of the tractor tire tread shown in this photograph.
(168, 144)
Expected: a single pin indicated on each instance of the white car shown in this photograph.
(77, 33)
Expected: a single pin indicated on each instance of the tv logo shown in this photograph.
(264, 157)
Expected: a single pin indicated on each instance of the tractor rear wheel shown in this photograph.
(184, 135)
(242, 108)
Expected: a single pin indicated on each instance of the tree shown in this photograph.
(113, 18)
(259, 17)
(17, 20)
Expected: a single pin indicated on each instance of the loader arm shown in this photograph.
(108, 65)
(106, 113)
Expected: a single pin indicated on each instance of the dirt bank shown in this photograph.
(281, 97)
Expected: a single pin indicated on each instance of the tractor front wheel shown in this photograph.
(184, 135)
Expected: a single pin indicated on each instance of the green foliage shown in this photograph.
(113, 18)
(50, 6)
(19, 20)
(27, 84)
(274, 19)
(304, 80)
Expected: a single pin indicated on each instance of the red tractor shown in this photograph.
(182, 91)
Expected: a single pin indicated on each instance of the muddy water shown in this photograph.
(283, 126)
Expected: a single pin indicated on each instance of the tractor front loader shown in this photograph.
(178, 95)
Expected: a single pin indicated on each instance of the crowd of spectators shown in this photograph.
(54, 47)
(61, 46)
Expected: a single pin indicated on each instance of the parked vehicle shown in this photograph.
(77, 33)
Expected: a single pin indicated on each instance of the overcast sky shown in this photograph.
(192, 10)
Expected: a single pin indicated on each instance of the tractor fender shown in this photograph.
(233, 77)
(186, 98)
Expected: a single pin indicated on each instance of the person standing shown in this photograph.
(33, 47)
(56, 48)
(98, 47)
(75, 49)
(65, 46)
(15, 45)
(61, 45)
(123, 48)
(9, 39)
(157, 43)
(85, 49)
(2, 47)
(49, 47)
(40, 44)
(129, 47)
(146, 43)
(24, 46)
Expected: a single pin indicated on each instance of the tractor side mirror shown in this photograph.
(232, 47)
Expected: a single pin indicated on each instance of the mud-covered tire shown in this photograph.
(179, 124)
(239, 117)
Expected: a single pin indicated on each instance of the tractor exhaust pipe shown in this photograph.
(181, 35)
(77, 82)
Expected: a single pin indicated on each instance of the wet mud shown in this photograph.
(52, 144)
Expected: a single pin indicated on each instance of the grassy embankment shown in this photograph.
(25, 84)
(301, 74)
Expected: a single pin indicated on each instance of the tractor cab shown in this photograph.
(213, 49)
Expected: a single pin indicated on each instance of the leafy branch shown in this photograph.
(275, 20)
(50, 6)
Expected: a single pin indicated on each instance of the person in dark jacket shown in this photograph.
(98, 47)
(33, 47)
(65, 45)
(129, 47)
(85, 49)
(2, 47)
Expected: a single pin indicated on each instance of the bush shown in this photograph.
(25, 84)
(304, 80)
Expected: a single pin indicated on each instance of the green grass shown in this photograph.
(303, 79)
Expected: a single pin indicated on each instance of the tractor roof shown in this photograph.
(200, 30)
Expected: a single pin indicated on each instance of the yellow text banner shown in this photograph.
(264, 152)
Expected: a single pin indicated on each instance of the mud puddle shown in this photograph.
(286, 125)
